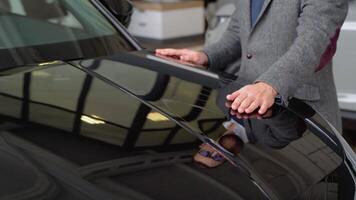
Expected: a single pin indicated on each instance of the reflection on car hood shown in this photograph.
(284, 152)
(114, 130)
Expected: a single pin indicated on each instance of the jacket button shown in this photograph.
(249, 56)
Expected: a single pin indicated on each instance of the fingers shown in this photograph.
(245, 104)
(232, 96)
(185, 55)
(190, 57)
(264, 107)
(170, 52)
(252, 98)
(238, 100)
(253, 106)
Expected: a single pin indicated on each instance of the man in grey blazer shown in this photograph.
(286, 48)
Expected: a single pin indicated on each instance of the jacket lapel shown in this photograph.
(246, 14)
(263, 10)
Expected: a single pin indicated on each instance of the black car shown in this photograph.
(87, 113)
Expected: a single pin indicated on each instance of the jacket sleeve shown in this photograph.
(227, 49)
(319, 22)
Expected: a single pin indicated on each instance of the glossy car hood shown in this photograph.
(285, 154)
(116, 129)
(31, 182)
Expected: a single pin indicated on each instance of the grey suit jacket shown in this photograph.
(284, 49)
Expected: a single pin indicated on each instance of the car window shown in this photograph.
(53, 12)
(55, 30)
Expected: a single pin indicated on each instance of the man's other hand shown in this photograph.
(186, 55)
(249, 98)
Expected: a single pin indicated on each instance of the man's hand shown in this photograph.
(186, 55)
(250, 97)
(252, 115)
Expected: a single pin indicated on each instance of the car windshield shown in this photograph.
(43, 30)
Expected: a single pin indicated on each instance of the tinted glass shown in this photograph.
(41, 30)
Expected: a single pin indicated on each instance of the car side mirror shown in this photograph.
(121, 9)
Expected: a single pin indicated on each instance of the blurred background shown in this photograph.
(193, 24)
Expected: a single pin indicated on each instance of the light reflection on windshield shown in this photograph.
(41, 31)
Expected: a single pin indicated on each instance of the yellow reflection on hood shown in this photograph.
(156, 117)
(55, 62)
(93, 119)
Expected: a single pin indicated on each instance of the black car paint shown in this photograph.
(51, 138)
(78, 161)
(296, 107)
